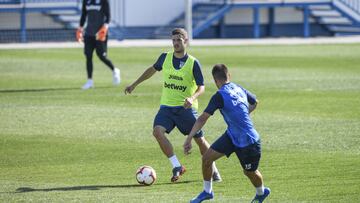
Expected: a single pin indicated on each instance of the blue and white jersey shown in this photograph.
(233, 102)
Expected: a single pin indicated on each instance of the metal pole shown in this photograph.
(256, 23)
(306, 22)
(23, 22)
(271, 22)
(188, 19)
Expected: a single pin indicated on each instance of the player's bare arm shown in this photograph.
(189, 101)
(146, 75)
(200, 122)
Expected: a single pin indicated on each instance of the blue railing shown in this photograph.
(212, 1)
(27, 6)
(352, 4)
(38, 3)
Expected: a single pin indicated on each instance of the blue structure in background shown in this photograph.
(23, 7)
(208, 20)
(306, 7)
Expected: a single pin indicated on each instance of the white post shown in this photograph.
(188, 19)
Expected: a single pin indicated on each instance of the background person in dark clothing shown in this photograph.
(96, 14)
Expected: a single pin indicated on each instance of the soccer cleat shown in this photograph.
(177, 172)
(89, 84)
(216, 177)
(260, 198)
(116, 76)
(203, 196)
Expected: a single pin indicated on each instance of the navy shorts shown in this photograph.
(91, 43)
(183, 119)
(249, 156)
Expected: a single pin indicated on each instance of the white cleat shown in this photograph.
(89, 84)
(116, 76)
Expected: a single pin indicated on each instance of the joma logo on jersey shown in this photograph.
(175, 77)
(175, 87)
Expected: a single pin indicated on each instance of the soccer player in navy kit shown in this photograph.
(235, 104)
(183, 82)
(97, 15)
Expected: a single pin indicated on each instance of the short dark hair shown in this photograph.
(180, 31)
(220, 72)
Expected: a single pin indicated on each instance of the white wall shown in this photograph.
(145, 12)
(11, 21)
(282, 15)
(161, 12)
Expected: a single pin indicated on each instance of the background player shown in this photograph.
(235, 104)
(96, 13)
(182, 84)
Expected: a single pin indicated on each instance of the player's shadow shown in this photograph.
(46, 89)
(89, 187)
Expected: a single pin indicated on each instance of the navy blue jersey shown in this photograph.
(96, 13)
(233, 102)
(178, 63)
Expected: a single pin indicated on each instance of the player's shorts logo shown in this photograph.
(247, 166)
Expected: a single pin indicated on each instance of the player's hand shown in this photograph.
(79, 34)
(101, 34)
(129, 89)
(188, 102)
(187, 145)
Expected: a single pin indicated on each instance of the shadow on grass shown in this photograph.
(46, 89)
(91, 187)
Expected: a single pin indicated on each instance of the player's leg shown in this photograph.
(101, 52)
(164, 143)
(185, 121)
(89, 47)
(257, 180)
(249, 158)
(203, 147)
(164, 124)
(208, 159)
(221, 147)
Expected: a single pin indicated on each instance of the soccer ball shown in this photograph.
(145, 175)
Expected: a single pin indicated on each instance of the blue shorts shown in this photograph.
(249, 156)
(183, 119)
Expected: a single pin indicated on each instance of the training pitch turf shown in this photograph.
(61, 144)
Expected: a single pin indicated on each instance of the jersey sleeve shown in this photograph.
(199, 79)
(216, 102)
(106, 10)
(159, 63)
(83, 14)
(250, 97)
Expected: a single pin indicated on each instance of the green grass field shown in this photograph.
(61, 144)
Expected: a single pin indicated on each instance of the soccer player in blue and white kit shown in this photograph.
(235, 104)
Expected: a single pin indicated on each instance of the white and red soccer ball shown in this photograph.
(145, 175)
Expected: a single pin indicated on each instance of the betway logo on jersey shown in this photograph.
(93, 7)
(175, 87)
(175, 77)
